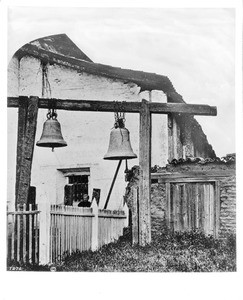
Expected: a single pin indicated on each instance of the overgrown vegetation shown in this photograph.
(168, 252)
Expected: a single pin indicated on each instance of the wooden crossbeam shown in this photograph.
(130, 107)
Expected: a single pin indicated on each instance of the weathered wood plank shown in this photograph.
(13, 236)
(144, 175)
(135, 215)
(30, 235)
(24, 235)
(184, 209)
(176, 208)
(111, 106)
(211, 208)
(217, 208)
(200, 206)
(188, 193)
(194, 109)
(18, 235)
(192, 177)
(181, 202)
(172, 207)
(206, 208)
(167, 193)
(24, 162)
(196, 206)
(22, 117)
(36, 239)
(23, 212)
(193, 205)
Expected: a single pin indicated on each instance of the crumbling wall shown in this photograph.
(158, 207)
(224, 173)
(227, 205)
(186, 138)
(158, 200)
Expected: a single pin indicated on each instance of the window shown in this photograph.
(77, 184)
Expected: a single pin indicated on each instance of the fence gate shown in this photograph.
(193, 206)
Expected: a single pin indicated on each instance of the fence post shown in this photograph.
(95, 220)
(126, 210)
(44, 242)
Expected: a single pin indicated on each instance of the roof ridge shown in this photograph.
(60, 44)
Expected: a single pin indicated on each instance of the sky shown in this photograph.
(194, 47)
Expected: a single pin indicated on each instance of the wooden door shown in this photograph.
(193, 206)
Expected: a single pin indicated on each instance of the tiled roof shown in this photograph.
(229, 158)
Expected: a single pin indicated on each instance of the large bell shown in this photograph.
(119, 145)
(51, 135)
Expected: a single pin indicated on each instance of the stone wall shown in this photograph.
(227, 205)
(158, 207)
(158, 201)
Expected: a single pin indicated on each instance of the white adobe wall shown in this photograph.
(87, 133)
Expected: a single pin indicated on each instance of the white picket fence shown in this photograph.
(66, 229)
(110, 225)
(23, 234)
(70, 230)
(47, 234)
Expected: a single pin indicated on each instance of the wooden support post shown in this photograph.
(22, 117)
(28, 111)
(144, 175)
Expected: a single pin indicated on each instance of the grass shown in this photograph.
(168, 252)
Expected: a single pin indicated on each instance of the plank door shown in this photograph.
(193, 206)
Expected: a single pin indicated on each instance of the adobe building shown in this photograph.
(191, 194)
(54, 67)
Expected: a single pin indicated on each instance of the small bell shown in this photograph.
(51, 135)
(119, 145)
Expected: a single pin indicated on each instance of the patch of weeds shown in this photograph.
(168, 252)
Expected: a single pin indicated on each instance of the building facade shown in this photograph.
(54, 67)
